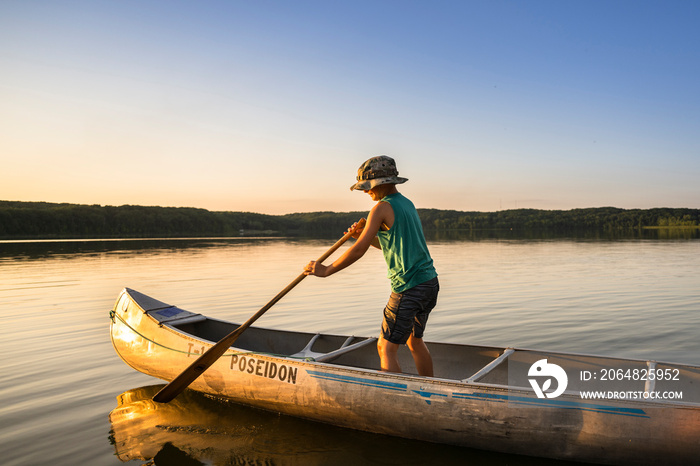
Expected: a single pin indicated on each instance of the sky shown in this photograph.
(271, 106)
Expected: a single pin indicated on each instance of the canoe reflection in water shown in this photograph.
(195, 429)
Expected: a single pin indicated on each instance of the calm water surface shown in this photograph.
(67, 398)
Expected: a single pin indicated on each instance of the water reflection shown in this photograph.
(195, 429)
(22, 250)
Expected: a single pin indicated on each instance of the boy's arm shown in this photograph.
(377, 216)
(375, 240)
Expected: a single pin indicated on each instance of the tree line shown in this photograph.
(27, 220)
(565, 221)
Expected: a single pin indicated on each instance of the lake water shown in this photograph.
(61, 378)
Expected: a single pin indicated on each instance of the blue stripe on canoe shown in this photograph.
(634, 412)
(358, 381)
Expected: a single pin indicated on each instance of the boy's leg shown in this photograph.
(388, 355)
(427, 294)
(421, 356)
(405, 317)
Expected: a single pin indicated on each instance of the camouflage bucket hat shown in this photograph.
(375, 171)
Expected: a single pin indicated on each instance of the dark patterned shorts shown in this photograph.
(407, 313)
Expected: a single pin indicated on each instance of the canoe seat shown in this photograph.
(346, 347)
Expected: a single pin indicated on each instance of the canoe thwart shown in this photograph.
(346, 347)
(306, 352)
(489, 367)
(328, 357)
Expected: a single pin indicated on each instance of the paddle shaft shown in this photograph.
(182, 381)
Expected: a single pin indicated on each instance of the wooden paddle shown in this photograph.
(182, 381)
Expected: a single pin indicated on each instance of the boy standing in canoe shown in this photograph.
(394, 227)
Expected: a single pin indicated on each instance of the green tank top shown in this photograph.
(404, 248)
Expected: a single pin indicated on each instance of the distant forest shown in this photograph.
(42, 220)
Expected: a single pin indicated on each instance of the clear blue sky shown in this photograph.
(271, 106)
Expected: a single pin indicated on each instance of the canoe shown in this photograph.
(567, 406)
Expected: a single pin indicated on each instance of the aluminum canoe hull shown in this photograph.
(484, 412)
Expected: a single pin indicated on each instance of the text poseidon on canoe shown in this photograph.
(264, 368)
(258, 367)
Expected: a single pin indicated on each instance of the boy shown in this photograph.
(394, 227)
